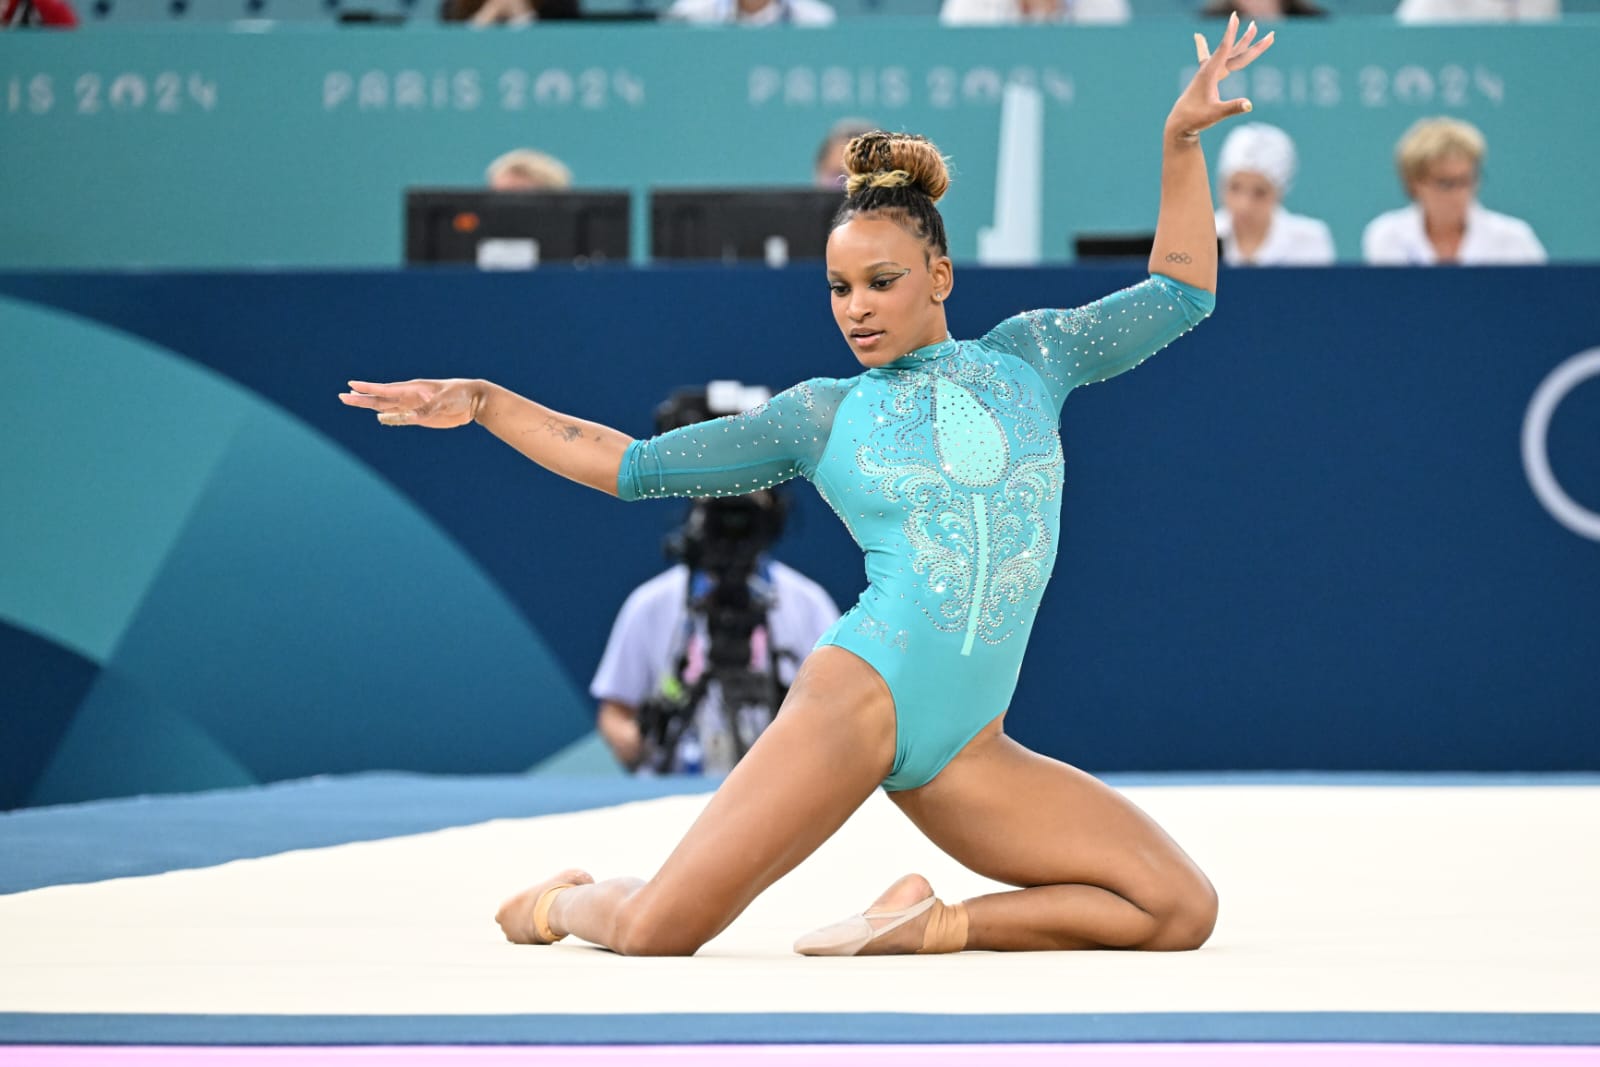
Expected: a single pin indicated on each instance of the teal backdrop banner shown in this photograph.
(213, 148)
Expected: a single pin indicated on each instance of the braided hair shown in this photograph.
(897, 176)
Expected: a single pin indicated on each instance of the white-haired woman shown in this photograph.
(1441, 163)
(1254, 172)
(523, 170)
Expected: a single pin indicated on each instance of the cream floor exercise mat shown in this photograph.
(1334, 898)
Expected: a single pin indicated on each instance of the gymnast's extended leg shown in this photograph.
(829, 747)
(1094, 870)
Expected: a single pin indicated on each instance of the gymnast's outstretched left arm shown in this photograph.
(756, 449)
(585, 452)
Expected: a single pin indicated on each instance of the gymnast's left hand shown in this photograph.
(436, 404)
(1201, 106)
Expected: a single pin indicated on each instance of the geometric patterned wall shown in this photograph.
(199, 590)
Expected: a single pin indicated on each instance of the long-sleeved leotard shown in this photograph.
(946, 467)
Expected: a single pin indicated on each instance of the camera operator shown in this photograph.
(701, 655)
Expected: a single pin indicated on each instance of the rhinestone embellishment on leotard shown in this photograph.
(976, 527)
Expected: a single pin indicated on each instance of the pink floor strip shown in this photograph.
(1088, 1055)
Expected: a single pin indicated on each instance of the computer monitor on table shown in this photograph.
(516, 230)
(1113, 245)
(1116, 246)
(764, 225)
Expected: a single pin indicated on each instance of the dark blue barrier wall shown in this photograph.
(1303, 537)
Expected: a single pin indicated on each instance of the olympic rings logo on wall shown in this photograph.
(1535, 443)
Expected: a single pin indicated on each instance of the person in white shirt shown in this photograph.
(1255, 170)
(1441, 162)
(701, 655)
(659, 650)
(753, 12)
(1415, 12)
(1001, 12)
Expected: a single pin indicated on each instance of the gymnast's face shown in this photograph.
(888, 289)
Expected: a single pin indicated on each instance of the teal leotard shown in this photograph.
(946, 467)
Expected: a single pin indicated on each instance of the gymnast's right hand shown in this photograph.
(438, 405)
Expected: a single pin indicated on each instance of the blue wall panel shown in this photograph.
(1302, 537)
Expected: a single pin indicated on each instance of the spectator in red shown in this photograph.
(37, 12)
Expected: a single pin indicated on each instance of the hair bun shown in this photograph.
(885, 160)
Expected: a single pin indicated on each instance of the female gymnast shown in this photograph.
(943, 459)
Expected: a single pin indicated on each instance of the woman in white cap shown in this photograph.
(1255, 170)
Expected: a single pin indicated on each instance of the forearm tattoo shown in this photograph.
(1179, 257)
(565, 430)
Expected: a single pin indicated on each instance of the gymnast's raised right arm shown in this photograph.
(1186, 236)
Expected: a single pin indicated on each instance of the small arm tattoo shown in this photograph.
(1179, 257)
(564, 430)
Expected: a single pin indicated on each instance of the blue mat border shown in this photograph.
(128, 837)
(1448, 1028)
